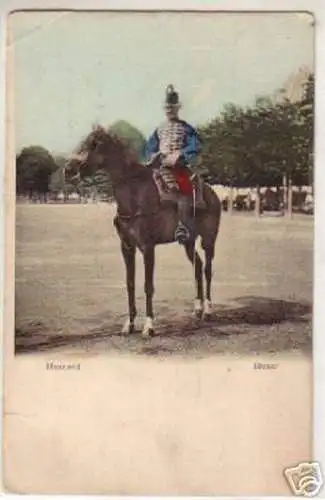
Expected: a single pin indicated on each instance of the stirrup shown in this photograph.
(182, 233)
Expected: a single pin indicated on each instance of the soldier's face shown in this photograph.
(171, 112)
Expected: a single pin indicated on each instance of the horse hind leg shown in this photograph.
(209, 256)
(196, 261)
(209, 225)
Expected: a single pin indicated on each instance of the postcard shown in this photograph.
(159, 234)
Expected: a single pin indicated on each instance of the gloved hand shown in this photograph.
(154, 158)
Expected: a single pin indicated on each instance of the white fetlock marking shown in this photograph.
(127, 327)
(207, 307)
(197, 305)
(148, 327)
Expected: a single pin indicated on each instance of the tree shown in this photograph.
(228, 146)
(260, 144)
(307, 116)
(131, 135)
(221, 140)
(58, 181)
(276, 142)
(34, 167)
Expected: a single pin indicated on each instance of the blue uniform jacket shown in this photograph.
(189, 150)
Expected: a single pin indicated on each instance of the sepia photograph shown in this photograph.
(161, 175)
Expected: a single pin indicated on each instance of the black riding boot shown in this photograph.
(185, 228)
(199, 187)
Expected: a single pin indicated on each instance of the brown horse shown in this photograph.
(144, 221)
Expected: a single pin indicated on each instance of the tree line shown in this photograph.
(259, 145)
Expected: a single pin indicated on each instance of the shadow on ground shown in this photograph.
(251, 325)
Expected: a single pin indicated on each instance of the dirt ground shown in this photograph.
(185, 413)
(70, 289)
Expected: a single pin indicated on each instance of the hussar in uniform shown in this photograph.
(175, 145)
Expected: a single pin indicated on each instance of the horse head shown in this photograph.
(100, 149)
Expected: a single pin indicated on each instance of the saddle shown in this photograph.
(170, 190)
(174, 182)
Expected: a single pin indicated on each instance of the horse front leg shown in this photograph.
(128, 253)
(149, 265)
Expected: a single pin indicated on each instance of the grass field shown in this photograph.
(70, 290)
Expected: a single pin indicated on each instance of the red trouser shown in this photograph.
(182, 176)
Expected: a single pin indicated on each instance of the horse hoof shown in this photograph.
(128, 328)
(197, 313)
(146, 334)
(198, 310)
(207, 310)
(148, 330)
(206, 316)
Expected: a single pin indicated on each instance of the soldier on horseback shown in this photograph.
(173, 147)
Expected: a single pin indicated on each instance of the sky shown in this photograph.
(73, 69)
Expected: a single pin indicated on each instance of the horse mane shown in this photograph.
(99, 136)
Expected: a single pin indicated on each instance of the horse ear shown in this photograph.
(97, 127)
